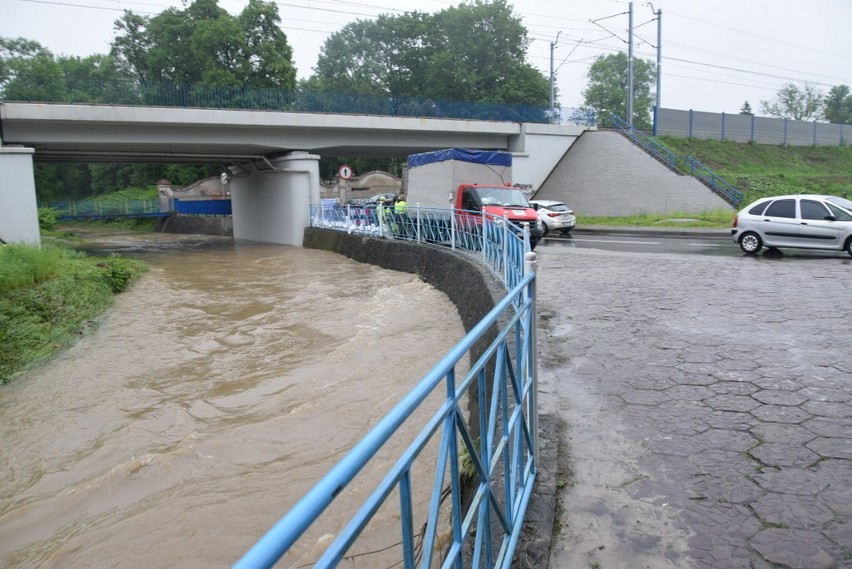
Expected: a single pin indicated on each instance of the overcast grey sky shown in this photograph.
(715, 54)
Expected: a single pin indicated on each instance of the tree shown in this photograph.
(838, 105)
(795, 103)
(606, 92)
(746, 109)
(29, 72)
(472, 52)
(203, 44)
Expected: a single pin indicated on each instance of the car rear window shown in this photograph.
(758, 209)
(557, 207)
(782, 208)
(839, 214)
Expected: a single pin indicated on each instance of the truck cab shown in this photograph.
(500, 201)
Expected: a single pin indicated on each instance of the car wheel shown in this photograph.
(546, 230)
(849, 246)
(751, 243)
(566, 231)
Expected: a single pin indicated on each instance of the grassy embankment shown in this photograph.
(51, 295)
(757, 170)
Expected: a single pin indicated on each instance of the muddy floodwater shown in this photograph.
(206, 402)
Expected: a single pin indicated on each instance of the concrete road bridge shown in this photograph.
(271, 157)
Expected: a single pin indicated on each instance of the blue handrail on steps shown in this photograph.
(696, 169)
(731, 194)
(650, 145)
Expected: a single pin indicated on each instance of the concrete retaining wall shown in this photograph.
(468, 284)
(195, 224)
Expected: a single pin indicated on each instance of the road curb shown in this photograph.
(652, 231)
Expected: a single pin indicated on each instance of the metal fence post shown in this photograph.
(531, 266)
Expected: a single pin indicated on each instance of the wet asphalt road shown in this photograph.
(707, 407)
(671, 240)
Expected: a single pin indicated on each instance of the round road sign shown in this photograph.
(345, 172)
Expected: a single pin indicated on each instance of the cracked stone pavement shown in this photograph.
(707, 409)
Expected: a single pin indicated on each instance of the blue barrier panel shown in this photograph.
(202, 207)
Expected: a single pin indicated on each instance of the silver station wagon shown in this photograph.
(798, 221)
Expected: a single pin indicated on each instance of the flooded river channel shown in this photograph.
(209, 399)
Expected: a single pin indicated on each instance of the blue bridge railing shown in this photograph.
(457, 493)
(133, 93)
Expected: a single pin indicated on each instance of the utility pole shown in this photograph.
(630, 65)
(552, 88)
(659, 15)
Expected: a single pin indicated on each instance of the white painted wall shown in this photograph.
(538, 149)
(271, 206)
(18, 206)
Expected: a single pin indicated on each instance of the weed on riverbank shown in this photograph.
(49, 296)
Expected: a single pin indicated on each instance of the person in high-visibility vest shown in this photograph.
(400, 210)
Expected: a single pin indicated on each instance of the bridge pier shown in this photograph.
(18, 206)
(270, 201)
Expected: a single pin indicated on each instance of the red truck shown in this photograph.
(472, 182)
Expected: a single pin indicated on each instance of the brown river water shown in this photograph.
(206, 402)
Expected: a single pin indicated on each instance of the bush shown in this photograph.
(47, 217)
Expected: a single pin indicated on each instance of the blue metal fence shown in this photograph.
(102, 209)
(306, 101)
(470, 510)
(487, 238)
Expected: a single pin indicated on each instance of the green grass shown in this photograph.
(760, 170)
(707, 219)
(49, 296)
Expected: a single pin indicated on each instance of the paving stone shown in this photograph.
(780, 454)
(792, 510)
(796, 549)
(782, 433)
(732, 403)
(781, 414)
(772, 397)
(837, 428)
